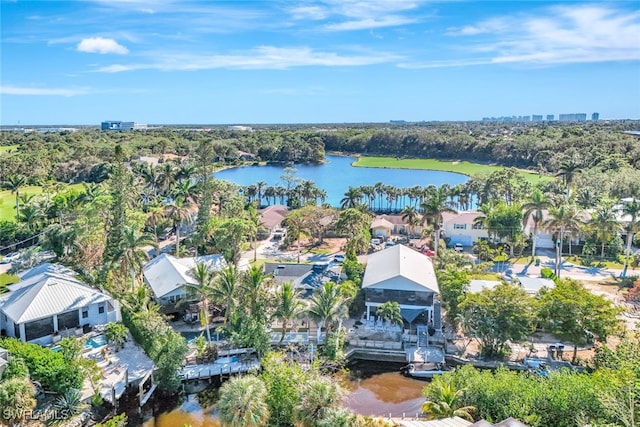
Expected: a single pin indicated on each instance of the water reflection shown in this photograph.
(385, 394)
(369, 391)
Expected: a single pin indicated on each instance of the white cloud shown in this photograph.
(351, 15)
(101, 45)
(370, 23)
(556, 35)
(39, 91)
(263, 57)
(309, 12)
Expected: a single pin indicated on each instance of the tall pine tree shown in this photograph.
(119, 185)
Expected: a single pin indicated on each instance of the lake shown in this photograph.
(369, 391)
(336, 175)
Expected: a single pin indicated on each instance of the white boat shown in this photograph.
(424, 370)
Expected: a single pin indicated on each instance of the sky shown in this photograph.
(333, 61)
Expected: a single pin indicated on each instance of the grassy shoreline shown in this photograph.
(461, 167)
(8, 199)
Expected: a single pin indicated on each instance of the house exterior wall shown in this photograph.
(173, 296)
(381, 231)
(111, 313)
(463, 232)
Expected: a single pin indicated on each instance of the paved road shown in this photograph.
(567, 269)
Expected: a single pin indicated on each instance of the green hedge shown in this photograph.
(47, 367)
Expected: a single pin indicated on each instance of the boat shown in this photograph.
(424, 370)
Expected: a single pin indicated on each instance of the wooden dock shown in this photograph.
(220, 367)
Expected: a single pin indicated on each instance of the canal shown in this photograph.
(371, 388)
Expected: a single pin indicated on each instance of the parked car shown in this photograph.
(458, 247)
(9, 258)
(339, 258)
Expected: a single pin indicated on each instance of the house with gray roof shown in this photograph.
(406, 276)
(50, 300)
(170, 278)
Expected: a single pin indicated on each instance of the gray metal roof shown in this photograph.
(47, 294)
(478, 285)
(47, 267)
(532, 285)
(166, 273)
(400, 268)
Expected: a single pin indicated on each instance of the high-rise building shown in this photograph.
(551, 117)
(595, 116)
(536, 118)
(118, 125)
(573, 117)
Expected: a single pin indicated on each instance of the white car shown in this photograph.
(9, 258)
(339, 258)
(458, 247)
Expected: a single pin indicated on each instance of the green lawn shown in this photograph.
(8, 200)
(7, 148)
(463, 167)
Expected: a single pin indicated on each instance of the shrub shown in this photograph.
(46, 366)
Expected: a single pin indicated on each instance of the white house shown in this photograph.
(406, 276)
(171, 280)
(50, 300)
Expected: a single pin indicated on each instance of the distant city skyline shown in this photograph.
(348, 61)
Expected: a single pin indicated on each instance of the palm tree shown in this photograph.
(255, 222)
(204, 281)
(13, 184)
(225, 288)
(130, 254)
(443, 396)
(633, 211)
(253, 286)
(568, 170)
(560, 218)
(259, 186)
(318, 396)
(433, 208)
(412, 216)
(327, 304)
(184, 189)
(30, 216)
(180, 214)
(242, 403)
(390, 311)
(534, 209)
(604, 223)
(288, 306)
(351, 198)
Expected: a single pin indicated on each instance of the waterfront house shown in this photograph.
(271, 217)
(305, 277)
(406, 276)
(50, 301)
(381, 227)
(170, 278)
(462, 227)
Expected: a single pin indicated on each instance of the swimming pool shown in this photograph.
(94, 342)
(191, 336)
(228, 359)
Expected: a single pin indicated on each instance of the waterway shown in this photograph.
(336, 175)
(372, 388)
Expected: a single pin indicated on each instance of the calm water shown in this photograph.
(370, 391)
(336, 175)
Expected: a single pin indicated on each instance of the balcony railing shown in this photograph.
(401, 297)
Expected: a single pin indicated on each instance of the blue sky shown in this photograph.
(214, 62)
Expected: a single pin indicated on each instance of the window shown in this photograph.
(85, 314)
(478, 226)
(101, 309)
(459, 226)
